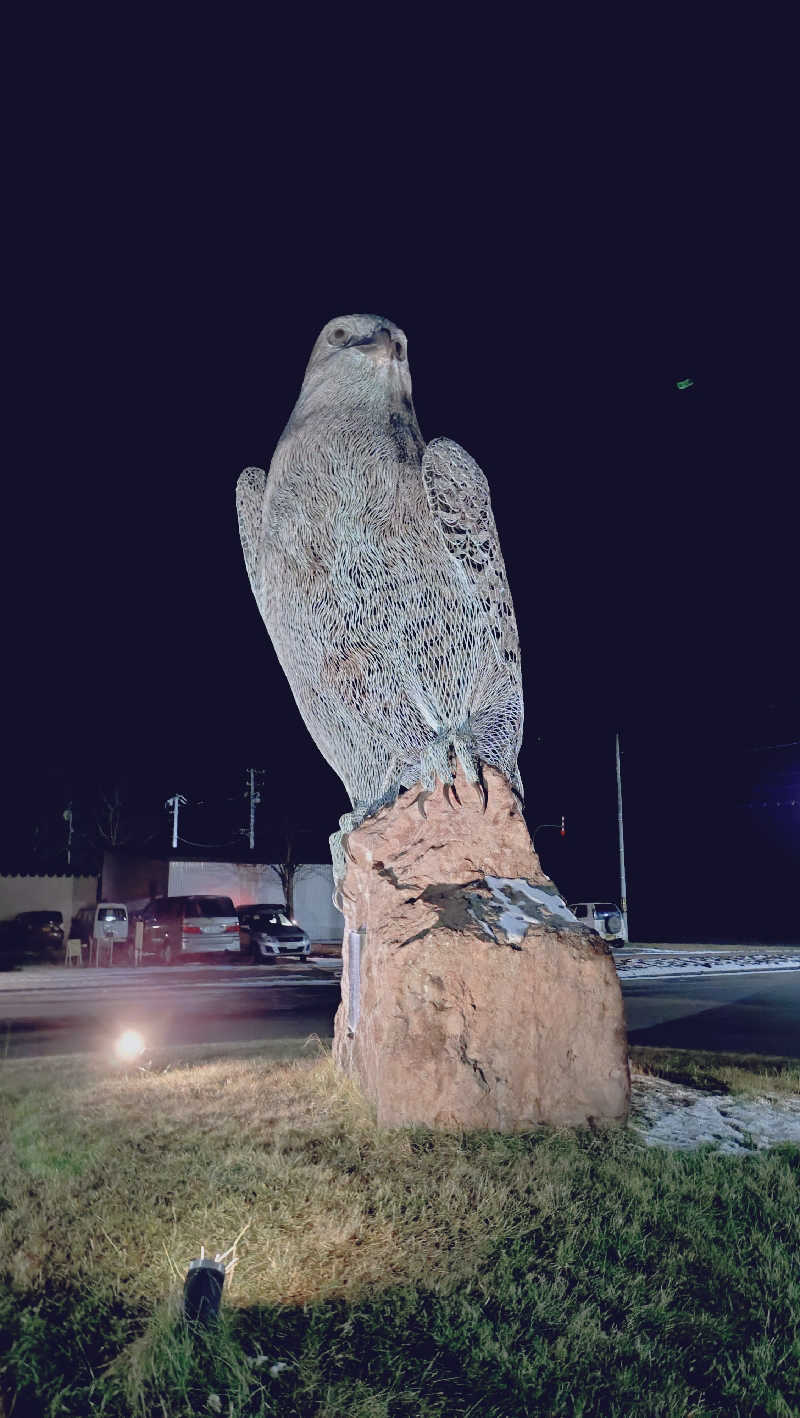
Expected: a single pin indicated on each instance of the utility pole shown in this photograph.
(255, 798)
(622, 884)
(174, 803)
(67, 815)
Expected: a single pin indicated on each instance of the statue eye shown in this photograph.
(398, 349)
(338, 336)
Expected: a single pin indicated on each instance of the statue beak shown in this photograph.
(379, 344)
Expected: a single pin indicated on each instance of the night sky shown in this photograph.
(191, 209)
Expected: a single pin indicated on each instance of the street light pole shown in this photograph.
(559, 828)
(622, 884)
(67, 815)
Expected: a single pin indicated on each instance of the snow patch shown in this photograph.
(644, 964)
(520, 905)
(670, 1115)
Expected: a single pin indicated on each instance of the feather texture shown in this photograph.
(376, 565)
(249, 505)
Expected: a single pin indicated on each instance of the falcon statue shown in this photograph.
(376, 566)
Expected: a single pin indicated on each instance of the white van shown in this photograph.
(603, 917)
(107, 918)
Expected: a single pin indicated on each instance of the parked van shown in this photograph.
(107, 918)
(604, 917)
(177, 926)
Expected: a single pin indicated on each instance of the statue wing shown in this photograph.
(458, 495)
(249, 506)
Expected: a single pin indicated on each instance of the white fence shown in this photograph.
(248, 883)
(66, 894)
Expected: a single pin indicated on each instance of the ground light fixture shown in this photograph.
(202, 1288)
(129, 1046)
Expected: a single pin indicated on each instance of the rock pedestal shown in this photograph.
(471, 997)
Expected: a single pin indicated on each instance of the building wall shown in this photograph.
(128, 878)
(136, 879)
(313, 902)
(248, 883)
(67, 894)
(245, 882)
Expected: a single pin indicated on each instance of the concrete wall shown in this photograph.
(313, 904)
(245, 882)
(66, 894)
(129, 878)
(136, 879)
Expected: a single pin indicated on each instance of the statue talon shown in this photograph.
(483, 794)
(448, 789)
(421, 799)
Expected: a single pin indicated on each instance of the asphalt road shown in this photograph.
(755, 1013)
(57, 1011)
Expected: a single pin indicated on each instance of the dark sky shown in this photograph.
(561, 247)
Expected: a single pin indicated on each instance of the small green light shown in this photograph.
(684, 383)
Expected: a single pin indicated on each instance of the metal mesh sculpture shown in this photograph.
(376, 566)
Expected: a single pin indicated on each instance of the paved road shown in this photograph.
(749, 1013)
(59, 1011)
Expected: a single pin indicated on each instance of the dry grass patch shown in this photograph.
(119, 1180)
(753, 1075)
(381, 1274)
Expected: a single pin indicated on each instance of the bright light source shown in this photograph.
(129, 1045)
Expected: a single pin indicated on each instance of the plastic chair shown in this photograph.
(104, 947)
(73, 950)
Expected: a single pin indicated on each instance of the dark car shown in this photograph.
(267, 932)
(10, 953)
(36, 933)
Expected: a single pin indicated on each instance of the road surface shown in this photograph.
(755, 1013)
(54, 1010)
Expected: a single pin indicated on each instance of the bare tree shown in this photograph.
(116, 825)
(47, 845)
(112, 826)
(289, 866)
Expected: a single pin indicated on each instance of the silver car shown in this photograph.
(175, 927)
(268, 932)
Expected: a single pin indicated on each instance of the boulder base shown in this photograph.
(471, 997)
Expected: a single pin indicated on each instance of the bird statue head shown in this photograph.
(357, 360)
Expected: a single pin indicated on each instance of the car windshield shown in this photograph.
(606, 909)
(209, 906)
(264, 919)
(42, 918)
(111, 913)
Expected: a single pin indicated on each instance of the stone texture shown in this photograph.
(482, 1003)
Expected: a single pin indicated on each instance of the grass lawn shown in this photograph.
(381, 1274)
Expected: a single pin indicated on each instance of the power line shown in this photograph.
(779, 802)
(212, 846)
(766, 747)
